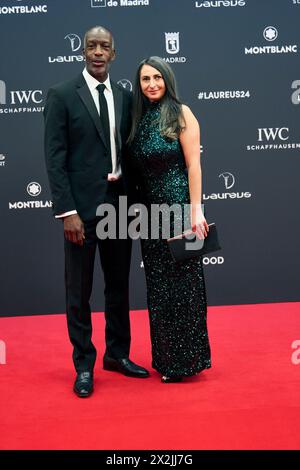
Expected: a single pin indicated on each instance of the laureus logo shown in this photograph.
(220, 3)
(229, 179)
(125, 84)
(229, 182)
(75, 41)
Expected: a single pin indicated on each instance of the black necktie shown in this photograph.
(104, 116)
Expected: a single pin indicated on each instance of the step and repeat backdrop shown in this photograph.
(237, 64)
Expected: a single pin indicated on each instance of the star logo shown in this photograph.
(270, 33)
(34, 189)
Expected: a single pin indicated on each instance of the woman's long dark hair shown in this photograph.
(171, 118)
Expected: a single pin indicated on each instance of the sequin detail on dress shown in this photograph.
(175, 291)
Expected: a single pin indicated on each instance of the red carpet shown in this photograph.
(249, 399)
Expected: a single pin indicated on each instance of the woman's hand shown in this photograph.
(198, 222)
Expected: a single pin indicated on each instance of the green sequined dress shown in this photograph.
(175, 290)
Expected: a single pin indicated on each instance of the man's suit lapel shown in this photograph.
(85, 95)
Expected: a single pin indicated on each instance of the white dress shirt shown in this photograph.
(92, 83)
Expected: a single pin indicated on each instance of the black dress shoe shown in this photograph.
(84, 385)
(124, 366)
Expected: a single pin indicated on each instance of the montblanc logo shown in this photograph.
(273, 138)
(229, 182)
(296, 94)
(270, 34)
(75, 43)
(21, 9)
(220, 3)
(2, 159)
(33, 189)
(172, 45)
(119, 3)
(125, 84)
(20, 101)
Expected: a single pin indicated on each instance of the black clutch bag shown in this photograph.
(188, 245)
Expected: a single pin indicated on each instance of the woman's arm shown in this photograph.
(190, 142)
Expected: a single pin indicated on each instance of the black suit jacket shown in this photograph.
(76, 155)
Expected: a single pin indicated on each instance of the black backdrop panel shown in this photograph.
(237, 66)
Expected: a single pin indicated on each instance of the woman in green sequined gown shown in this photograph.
(165, 159)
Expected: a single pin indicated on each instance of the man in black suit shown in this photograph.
(87, 121)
